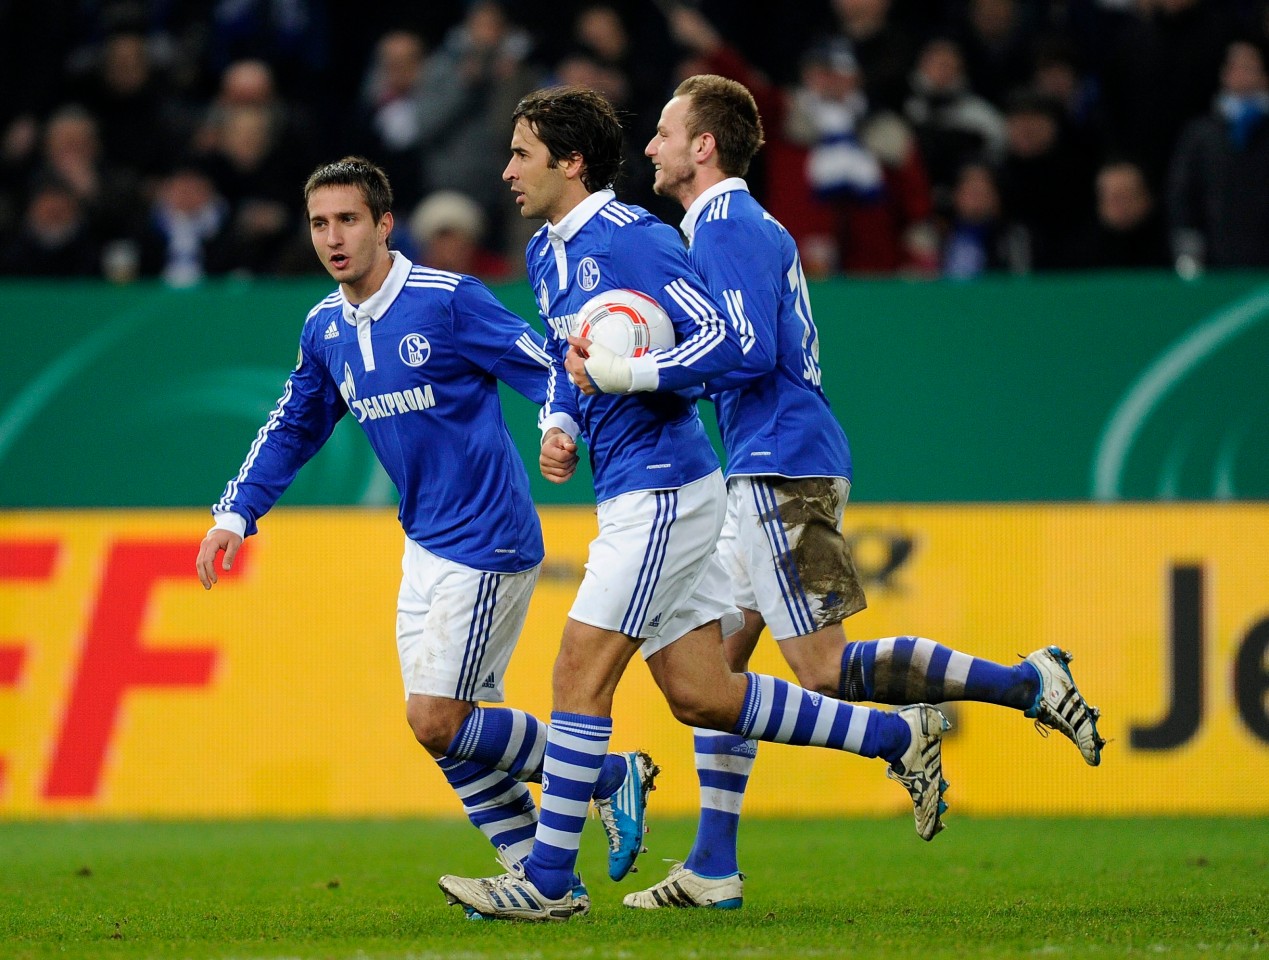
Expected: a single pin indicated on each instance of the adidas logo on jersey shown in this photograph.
(655, 621)
(332, 331)
(746, 748)
(489, 682)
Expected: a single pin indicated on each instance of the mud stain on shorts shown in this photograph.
(819, 557)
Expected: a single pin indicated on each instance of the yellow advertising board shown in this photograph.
(127, 690)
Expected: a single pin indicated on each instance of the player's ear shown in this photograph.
(385, 225)
(573, 165)
(706, 146)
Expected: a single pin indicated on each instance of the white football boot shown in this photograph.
(1059, 706)
(920, 769)
(685, 888)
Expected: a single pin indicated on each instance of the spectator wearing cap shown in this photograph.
(872, 208)
(448, 230)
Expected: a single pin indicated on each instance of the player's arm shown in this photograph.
(300, 423)
(707, 345)
(500, 342)
(741, 265)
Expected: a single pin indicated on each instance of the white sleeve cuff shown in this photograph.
(233, 522)
(644, 375)
(561, 420)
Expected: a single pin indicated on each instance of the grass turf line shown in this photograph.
(816, 888)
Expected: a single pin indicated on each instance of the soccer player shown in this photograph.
(652, 583)
(788, 477)
(416, 355)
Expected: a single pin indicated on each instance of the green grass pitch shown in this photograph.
(365, 890)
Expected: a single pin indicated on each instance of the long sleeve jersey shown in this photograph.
(417, 364)
(640, 441)
(772, 412)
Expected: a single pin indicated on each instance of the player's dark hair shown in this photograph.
(354, 172)
(576, 121)
(726, 109)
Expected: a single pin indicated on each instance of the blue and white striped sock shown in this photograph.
(783, 712)
(723, 763)
(575, 748)
(500, 806)
(501, 737)
(515, 741)
(904, 670)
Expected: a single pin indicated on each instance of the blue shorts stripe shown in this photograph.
(653, 561)
(478, 635)
(786, 571)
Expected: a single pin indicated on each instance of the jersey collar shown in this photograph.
(376, 305)
(577, 218)
(688, 223)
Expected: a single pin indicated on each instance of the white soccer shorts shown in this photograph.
(652, 573)
(783, 550)
(457, 627)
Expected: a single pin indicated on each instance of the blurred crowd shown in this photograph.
(171, 138)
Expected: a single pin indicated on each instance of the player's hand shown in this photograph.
(558, 457)
(575, 365)
(216, 541)
(601, 369)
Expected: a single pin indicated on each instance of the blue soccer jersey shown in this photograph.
(640, 441)
(417, 364)
(772, 412)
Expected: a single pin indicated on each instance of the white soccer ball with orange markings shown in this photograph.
(627, 322)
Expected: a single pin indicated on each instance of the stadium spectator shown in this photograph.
(254, 169)
(250, 83)
(448, 230)
(1046, 183)
(187, 235)
(600, 30)
(884, 51)
(997, 40)
(1218, 189)
(55, 238)
(72, 154)
(953, 125)
(292, 37)
(1059, 75)
(977, 238)
(386, 121)
(141, 122)
(874, 210)
(1129, 232)
(470, 87)
(1159, 70)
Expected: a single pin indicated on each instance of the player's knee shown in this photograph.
(818, 678)
(699, 707)
(434, 729)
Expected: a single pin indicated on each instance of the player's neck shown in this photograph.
(704, 178)
(567, 203)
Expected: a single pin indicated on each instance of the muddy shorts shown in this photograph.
(783, 549)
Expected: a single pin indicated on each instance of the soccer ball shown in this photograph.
(627, 322)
